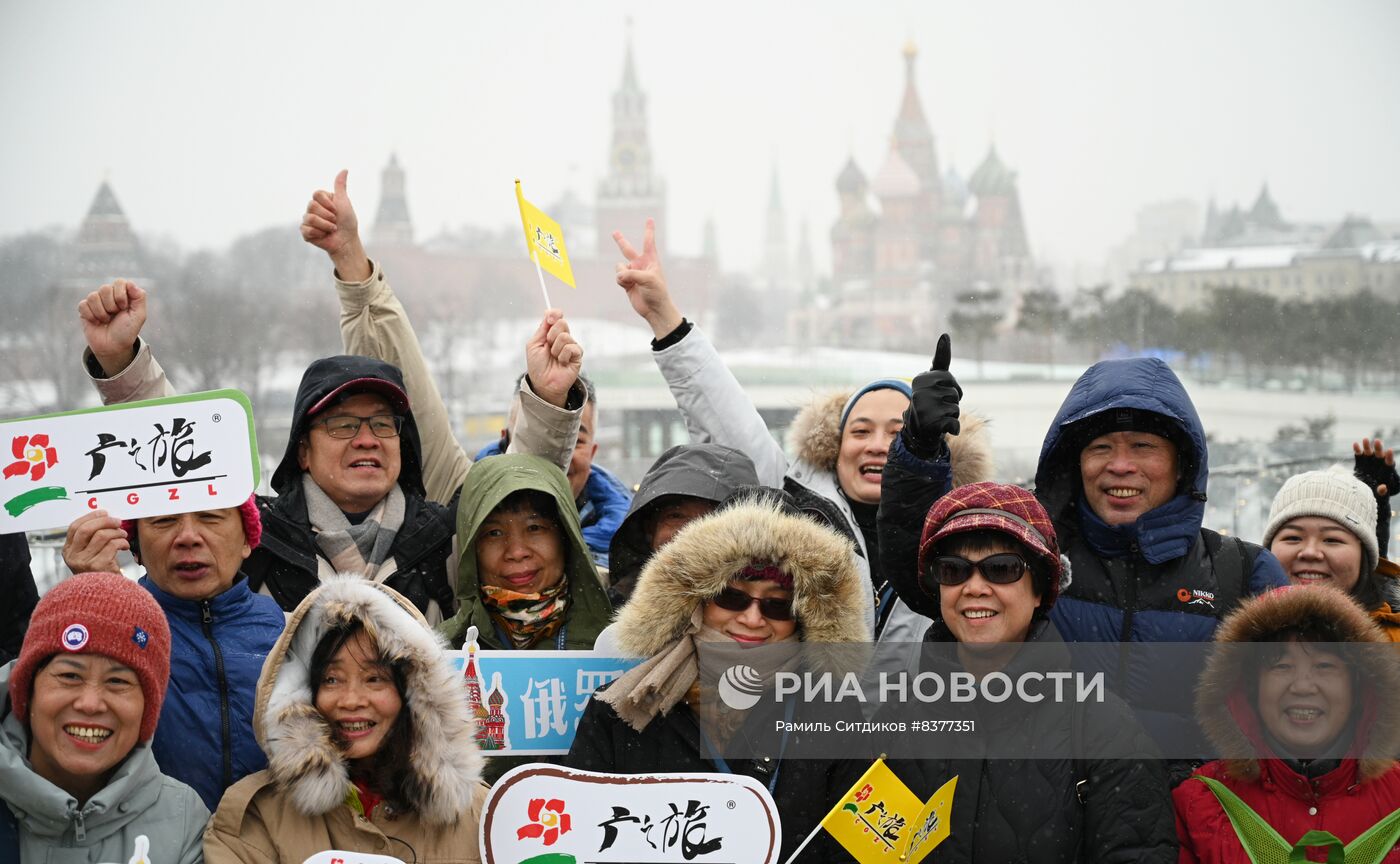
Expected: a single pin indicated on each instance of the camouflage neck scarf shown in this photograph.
(527, 618)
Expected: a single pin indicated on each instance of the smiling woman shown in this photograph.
(526, 579)
(1317, 703)
(1322, 529)
(757, 573)
(368, 740)
(84, 698)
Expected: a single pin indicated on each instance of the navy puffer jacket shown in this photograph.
(205, 736)
(1163, 578)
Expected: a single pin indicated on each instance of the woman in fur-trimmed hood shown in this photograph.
(368, 740)
(755, 572)
(836, 444)
(1319, 709)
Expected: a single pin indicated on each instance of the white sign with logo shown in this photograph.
(547, 814)
(175, 455)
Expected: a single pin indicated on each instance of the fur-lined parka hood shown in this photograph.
(831, 599)
(302, 756)
(815, 438)
(1225, 702)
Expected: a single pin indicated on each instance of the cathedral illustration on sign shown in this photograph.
(492, 720)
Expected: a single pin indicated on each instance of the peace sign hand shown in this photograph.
(641, 277)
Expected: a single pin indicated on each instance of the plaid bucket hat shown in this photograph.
(1002, 508)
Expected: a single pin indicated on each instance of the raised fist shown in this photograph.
(553, 359)
(112, 318)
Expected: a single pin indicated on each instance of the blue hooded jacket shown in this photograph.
(1159, 539)
(606, 501)
(205, 735)
(1161, 579)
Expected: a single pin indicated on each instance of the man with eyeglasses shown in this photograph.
(351, 483)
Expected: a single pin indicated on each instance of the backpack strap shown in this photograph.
(1077, 763)
(1232, 561)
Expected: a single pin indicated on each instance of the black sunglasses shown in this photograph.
(1000, 569)
(772, 608)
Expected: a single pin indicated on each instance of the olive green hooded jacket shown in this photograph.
(488, 484)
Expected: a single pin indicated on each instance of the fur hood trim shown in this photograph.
(815, 438)
(1227, 712)
(302, 756)
(830, 597)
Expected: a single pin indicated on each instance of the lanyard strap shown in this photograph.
(713, 755)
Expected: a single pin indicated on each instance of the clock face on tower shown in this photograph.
(626, 156)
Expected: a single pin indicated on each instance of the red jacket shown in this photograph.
(1334, 802)
(1346, 801)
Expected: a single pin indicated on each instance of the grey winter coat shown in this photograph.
(140, 812)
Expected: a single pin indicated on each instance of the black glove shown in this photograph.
(1372, 470)
(933, 409)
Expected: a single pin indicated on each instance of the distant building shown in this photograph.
(1298, 265)
(1160, 229)
(105, 247)
(631, 191)
(473, 274)
(900, 265)
(391, 224)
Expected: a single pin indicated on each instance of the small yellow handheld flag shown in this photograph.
(875, 817)
(931, 826)
(545, 240)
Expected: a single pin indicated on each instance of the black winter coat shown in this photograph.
(17, 587)
(285, 564)
(1029, 810)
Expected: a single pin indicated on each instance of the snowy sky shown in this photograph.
(215, 119)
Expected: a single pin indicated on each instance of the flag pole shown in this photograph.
(798, 850)
(540, 273)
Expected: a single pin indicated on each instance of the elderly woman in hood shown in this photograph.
(756, 572)
(525, 579)
(1310, 724)
(367, 736)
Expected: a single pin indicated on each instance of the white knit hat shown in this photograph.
(1333, 494)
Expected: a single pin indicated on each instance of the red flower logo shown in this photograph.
(33, 455)
(547, 820)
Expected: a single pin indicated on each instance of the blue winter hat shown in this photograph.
(877, 384)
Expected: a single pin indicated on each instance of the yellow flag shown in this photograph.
(545, 240)
(874, 819)
(932, 825)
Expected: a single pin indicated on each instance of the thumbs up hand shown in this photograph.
(933, 409)
(330, 224)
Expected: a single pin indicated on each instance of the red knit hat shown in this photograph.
(247, 511)
(995, 507)
(98, 613)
